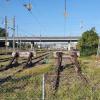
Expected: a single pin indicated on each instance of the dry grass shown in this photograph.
(27, 83)
(23, 85)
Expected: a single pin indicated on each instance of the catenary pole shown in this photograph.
(14, 33)
(6, 35)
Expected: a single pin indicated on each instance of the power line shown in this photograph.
(29, 9)
(37, 20)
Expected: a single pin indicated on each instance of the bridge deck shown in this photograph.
(43, 39)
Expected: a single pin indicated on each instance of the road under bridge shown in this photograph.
(53, 42)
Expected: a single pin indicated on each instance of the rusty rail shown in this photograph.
(73, 58)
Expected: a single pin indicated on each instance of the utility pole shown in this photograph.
(14, 33)
(81, 26)
(98, 50)
(17, 37)
(20, 41)
(40, 41)
(65, 15)
(6, 35)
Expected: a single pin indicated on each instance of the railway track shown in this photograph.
(24, 62)
(21, 66)
(6, 59)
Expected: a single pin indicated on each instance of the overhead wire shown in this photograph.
(37, 20)
(34, 17)
(19, 28)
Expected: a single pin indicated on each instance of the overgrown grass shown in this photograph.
(27, 84)
(21, 89)
(71, 86)
(24, 85)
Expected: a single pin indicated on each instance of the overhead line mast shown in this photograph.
(65, 15)
(6, 35)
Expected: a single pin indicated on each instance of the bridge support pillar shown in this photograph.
(32, 45)
(69, 46)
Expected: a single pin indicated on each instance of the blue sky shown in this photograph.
(47, 17)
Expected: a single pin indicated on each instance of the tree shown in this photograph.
(2, 32)
(88, 43)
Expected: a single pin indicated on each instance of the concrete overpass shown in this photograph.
(43, 39)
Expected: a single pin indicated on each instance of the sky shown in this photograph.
(47, 17)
